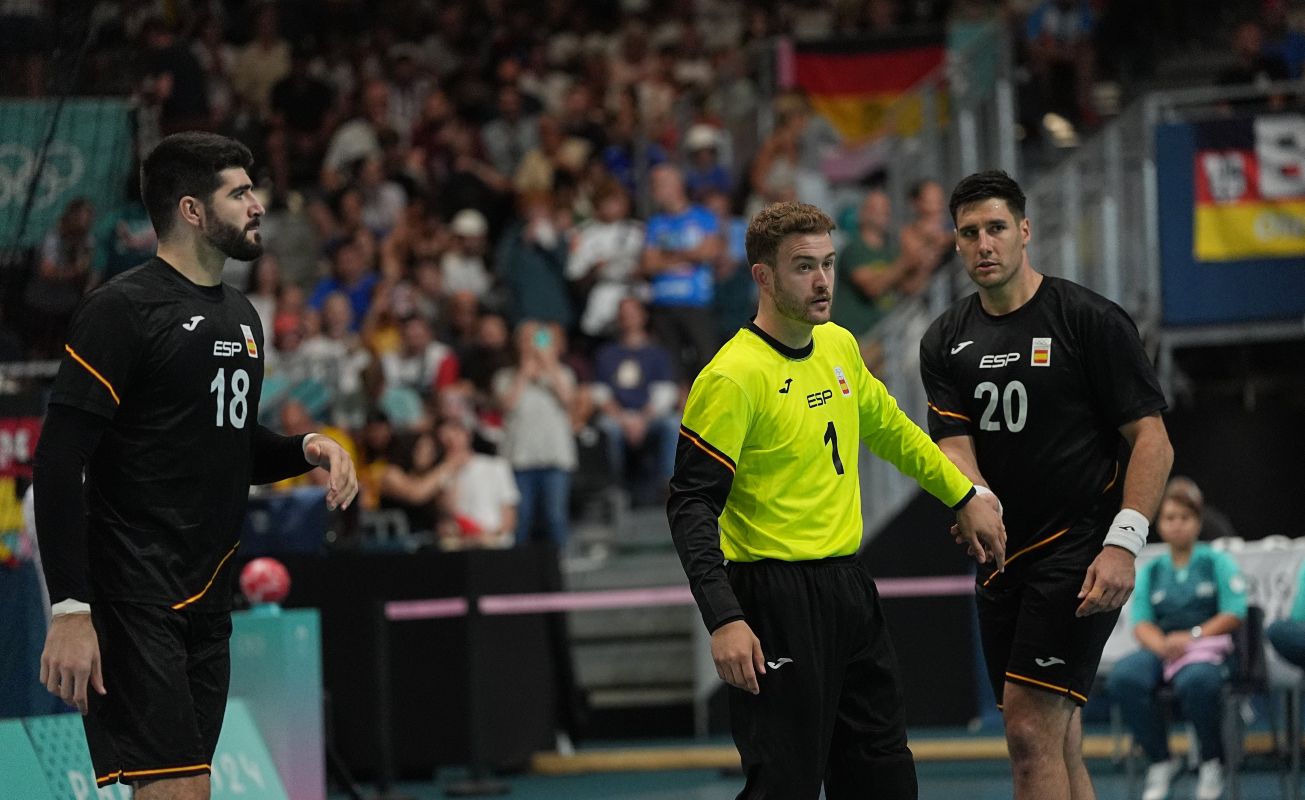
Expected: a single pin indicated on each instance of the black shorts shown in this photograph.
(830, 709)
(166, 675)
(1026, 618)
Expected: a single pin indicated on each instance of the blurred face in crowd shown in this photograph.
(509, 102)
(1179, 524)
(337, 314)
(350, 263)
(464, 307)
(631, 316)
(991, 242)
(801, 282)
(295, 419)
(876, 212)
(453, 436)
(614, 206)
(376, 102)
(429, 280)
(492, 332)
(267, 274)
(668, 188)
(930, 202)
(416, 335)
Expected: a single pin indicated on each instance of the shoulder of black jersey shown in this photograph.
(1080, 300)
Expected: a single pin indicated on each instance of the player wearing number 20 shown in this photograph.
(765, 511)
(1037, 388)
(157, 399)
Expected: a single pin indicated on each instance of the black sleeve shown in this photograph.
(275, 457)
(946, 406)
(68, 438)
(105, 344)
(1122, 380)
(699, 488)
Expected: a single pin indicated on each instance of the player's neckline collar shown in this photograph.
(794, 353)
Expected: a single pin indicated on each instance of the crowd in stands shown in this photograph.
(502, 237)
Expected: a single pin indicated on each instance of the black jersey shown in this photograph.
(1043, 391)
(178, 369)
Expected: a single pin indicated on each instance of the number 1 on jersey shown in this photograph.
(831, 437)
(239, 408)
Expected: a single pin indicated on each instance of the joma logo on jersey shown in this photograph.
(998, 360)
(817, 399)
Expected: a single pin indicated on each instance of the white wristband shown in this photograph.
(69, 606)
(1129, 531)
(979, 491)
(304, 444)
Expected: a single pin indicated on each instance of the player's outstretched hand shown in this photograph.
(980, 529)
(326, 453)
(1108, 583)
(71, 659)
(737, 653)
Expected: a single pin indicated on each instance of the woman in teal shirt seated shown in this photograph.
(1185, 604)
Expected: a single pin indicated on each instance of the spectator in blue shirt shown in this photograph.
(1185, 605)
(681, 244)
(350, 274)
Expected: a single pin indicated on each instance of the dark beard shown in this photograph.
(231, 241)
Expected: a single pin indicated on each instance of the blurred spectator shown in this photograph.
(472, 181)
(421, 363)
(217, 58)
(383, 200)
(1214, 523)
(635, 391)
(24, 46)
(337, 358)
(173, 80)
(1063, 57)
(773, 178)
(927, 240)
(302, 119)
(480, 499)
(1254, 65)
(262, 290)
(735, 292)
(625, 145)
(1280, 39)
(482, 358)
(536, 395)
(583, 119)
(511, 134)
(868, 269)
(681, 246)
(296, 421)
(604, 260)
(352, 274)
(65, 268)
(411, 480)
(555, 153)
(127, 238)
(462, 267)
(704, 173)
(532, 263)
(408, 90)
(357, 138)
(262, 63)
(420, 234)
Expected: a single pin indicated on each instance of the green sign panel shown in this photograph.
(20, 771)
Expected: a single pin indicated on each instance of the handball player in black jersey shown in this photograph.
(1040, 390)
(157, 401)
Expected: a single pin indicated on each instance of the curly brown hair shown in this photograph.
(774, 222)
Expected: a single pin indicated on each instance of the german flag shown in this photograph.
(1250, 188)
(852, 83)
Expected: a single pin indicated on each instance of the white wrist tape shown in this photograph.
(69, 606)
(980, 491)
(1129, 530)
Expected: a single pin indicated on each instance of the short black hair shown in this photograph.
(186, 164)
(993, 183)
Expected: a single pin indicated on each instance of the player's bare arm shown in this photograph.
(1109, 580)
(978, 525)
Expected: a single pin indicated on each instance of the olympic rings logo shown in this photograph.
(65, 166)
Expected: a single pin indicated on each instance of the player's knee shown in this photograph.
(195, 787)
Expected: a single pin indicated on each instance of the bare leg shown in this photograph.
(1037, 732)
(194, 787)
(1080, 782)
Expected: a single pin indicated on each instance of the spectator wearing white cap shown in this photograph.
(463, 267)
(705, 173)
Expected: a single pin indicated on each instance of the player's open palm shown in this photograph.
(737, 653)
(1108, 583)
(71, 660)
